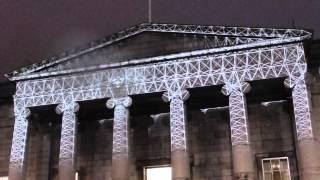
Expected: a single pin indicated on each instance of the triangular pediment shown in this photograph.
(156, 42)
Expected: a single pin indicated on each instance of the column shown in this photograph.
(178, 133)
(242, 157)
(120, 143)
(68, 140)
(309, 160)
(19, 140)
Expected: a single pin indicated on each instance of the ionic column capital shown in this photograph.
(67, 106)
(123, 101)
(181, 94)
(22, 112)
(241, 87)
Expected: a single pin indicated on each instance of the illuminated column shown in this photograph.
(18, 148)
(68, 140)
(178, 132)
(241, 151)
(120, 143)
(309, 165)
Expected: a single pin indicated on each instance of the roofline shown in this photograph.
(280, 35)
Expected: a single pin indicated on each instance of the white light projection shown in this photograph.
(178, 121)
(68, 132)
(240, 34)
(238, 111)
(18, 148)
(120, 124)
(267, 59)
(301, 106)
(256, 64)
(226, 31)
(199, 71)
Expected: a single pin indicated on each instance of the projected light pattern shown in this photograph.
(238, 112)
(120, 124)
(178, 121)
(301, 106)
(18, 148)
(280, 56)
(239, 34)
(258, 64)
(68, 131)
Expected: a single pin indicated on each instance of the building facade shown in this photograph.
(210, 102)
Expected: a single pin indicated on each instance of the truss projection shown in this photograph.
(99, 59)
(274, 36)
(68, 131)
(238, 112)
(17, 156)
(120, 124)
(178, 121)
(301, 107)
(265, 54)
(200, 71)
(302, 112)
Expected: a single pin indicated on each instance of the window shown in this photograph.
(4, 178)
(157, 173)
(276, 168)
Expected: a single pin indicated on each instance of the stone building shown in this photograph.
(205, 102)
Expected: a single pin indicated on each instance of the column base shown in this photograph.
(66, 171)
(180, 165)
(309, 159)
(15, 174)
(120, 167)
(243, 168)
(244, 176)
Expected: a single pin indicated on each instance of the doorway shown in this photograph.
(157, 173)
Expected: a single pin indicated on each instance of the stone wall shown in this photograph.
(6, 129)
(38, 154)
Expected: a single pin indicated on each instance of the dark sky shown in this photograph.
(33, 29)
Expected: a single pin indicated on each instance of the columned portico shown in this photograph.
(178, 133)
(309, 156)
(242, 157)
(19, 143)
(68, 141)
(120, 147)
(239, 55)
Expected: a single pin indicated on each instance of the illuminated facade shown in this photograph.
(232, 57)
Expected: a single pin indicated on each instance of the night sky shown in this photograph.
(34, 29)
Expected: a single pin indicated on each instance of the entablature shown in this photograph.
(196, 71)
